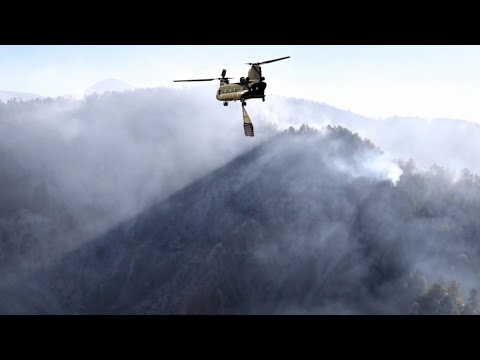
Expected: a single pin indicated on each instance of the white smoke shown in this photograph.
(371, 164)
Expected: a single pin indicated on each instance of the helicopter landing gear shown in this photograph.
(225, 103)
(244, 103)
(263, 99)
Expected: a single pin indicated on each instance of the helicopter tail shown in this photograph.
(247, 123)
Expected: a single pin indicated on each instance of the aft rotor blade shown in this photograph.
(269, 61)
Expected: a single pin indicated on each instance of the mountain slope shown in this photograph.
(101, 160)
(307, 222)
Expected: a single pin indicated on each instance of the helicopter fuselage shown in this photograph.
(241, 91)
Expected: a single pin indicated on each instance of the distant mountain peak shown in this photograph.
(113, 85)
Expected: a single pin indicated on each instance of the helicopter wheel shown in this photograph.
(263, 99)
(244, 103)
(225, 103)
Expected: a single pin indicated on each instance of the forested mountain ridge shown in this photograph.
(307, 222)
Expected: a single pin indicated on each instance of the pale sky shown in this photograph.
(378, 81)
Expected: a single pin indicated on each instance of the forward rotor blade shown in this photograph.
(202, 79)
(194, 80)
(269, 61)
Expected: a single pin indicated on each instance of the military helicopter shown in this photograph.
(251, 87)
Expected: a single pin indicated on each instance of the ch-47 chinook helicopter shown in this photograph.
(251, 87)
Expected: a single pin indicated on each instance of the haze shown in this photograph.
(375, 81)
(152, 201)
